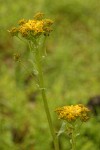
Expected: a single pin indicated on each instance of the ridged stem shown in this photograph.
(73, 140)
(38, 58)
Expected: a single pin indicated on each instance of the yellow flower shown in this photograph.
(22, 21)
(71, 113)
(14, 31)
(38, 16)
(33, 28)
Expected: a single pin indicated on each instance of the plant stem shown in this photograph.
(42, 88)
(73, 140)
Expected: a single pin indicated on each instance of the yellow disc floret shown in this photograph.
(71, 113)
(33, 28)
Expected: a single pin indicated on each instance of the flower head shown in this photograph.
(38, 16)
(17, 57)
(14, 31)
(71, 113)
(22, 21)
(33, 28)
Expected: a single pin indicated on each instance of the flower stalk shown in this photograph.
(73, 142)
(38, 58)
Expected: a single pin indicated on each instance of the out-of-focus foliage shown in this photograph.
(72, 73)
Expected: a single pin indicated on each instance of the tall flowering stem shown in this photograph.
(33, 31)
(43, 92)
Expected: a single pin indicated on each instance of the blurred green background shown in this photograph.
(71, 70)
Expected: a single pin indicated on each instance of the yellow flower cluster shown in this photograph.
(33, 28)
(71, 113)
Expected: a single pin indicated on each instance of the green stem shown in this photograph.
(42, 88)
(73, 140)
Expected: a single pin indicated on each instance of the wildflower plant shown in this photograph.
(73, 117)
(34, 32)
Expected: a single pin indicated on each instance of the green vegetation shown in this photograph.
(71, 69)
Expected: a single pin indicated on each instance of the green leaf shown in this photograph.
(62, 129)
